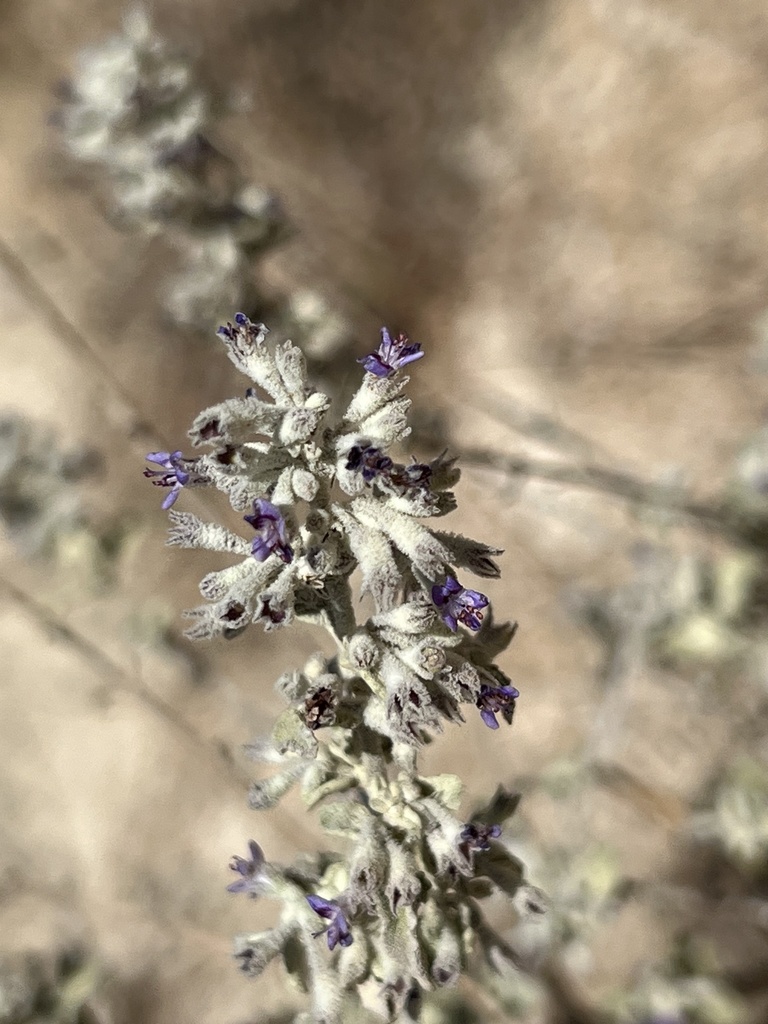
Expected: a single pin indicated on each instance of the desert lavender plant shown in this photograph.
(400, 912)
(137, 112)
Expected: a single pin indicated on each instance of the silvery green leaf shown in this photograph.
(389, 425)
(425, 659)
(293, 686)
(256, 950)
(344, 818)
(276, 599)
(529, 901)
(354, 963)
(225, 619)
(415, 616)
(244, 579)
(471, 554)
(460, 679)
(296, 962)
(403, 885)
(290, 735)
(409, 705)
(234, 421)
(292, 368)
(268, 792)
(367, 874)
(381, 577)
(426, 553)
(448, 957)
(422, 503)
(447, 789)
(442, 844)
(401, 946)
(337, 605)
(362, 651)
(262, 749)
(250, 354)
(282, 493)
(304, 484)
(298, 425)
(373, 394)
(321, 781)
(188, 531)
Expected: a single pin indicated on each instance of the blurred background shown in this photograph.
(566, 203)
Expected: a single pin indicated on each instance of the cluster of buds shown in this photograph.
(322, 497)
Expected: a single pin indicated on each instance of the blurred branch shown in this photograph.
(114, 677)
(721, 517)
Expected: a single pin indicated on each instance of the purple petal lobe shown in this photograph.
(392, 355)
(489, 719)
(324, 908)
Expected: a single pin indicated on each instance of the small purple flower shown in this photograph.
(478, 837)
(391, 356)
(250, 871)
(457, 604)
(369, 461)
(272, 532)
(174, 473)
(497, 700)
(242, 325)
(338, 930)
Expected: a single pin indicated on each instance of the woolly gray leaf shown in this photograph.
(188, 531)
(258, 949)
(292, 368)
(234, 421)
(380, 575)
(471, 554)
(373, 394)
(344, 818)
(268, 792)
(290, 735)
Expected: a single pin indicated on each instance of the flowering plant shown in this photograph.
(322, 497)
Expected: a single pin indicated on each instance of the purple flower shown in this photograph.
(174, 473)
(338, 930)
(242, 326)
(391, 356)
(270, 526)
(457, 604)
(250, 871)
(369, 461)
(496, 700)
(478, 837)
